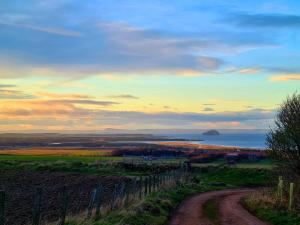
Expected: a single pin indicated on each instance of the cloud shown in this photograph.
(123, 96)
(112, 48)
(210, 63)
(50, 30)
(244, 71)
(73, 114)
(208, 109)
(285, 77)
(6, 86)
(7, 93)
(84, 102)
(265, 20)
(209, 104)
(64, 96)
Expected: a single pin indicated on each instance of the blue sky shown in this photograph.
(86, 60)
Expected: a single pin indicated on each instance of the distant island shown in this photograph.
(211, 132)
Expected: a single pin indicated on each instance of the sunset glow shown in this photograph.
(93, 65)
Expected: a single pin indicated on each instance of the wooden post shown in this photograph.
(114, 197)
(91, 204)
(140, 187)
(64, 205)
(36, 210)
(98, 200)
(291, 199)
(122, 193)
(2, 207)
(127, 192)
(280, 189)
(146, 185)
(150, 184)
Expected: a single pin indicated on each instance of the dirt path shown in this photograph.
(231, 212)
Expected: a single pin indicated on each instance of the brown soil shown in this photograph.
(231, 211)
(21, 185)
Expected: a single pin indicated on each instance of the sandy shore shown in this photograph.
(204, 147)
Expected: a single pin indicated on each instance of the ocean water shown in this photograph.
(247, 140)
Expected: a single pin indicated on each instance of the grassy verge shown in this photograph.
(269, 212)
(263, 164)
(211, 211)
(155, 209)
(240, 177)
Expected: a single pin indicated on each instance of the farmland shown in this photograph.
(79, 167)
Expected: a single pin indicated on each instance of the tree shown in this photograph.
(284, 139)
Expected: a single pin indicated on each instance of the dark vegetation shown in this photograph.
(284, 146)
(284, 143)
(270, 212)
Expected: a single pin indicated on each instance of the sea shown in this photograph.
(246, 140)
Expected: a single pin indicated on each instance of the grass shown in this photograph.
(157, 208)
(211, 211)
(269, 212)
(84, 164)
(263, 164)
(240, 177)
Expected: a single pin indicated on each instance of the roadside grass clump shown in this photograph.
(241, 177)
(268, 211)
(153, 210)
(211, 211)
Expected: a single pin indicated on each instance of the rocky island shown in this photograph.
(211, 132)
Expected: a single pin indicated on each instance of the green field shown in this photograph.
(97, 165)
(263, 164)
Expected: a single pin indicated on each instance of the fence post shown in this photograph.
(37, 202)
(114, 199)
(2, 207)
(98, 200)
(280, 189)
(150, 184)
(291, 196)
(140, 187)
(146, 185)
(91, 204)
(64, 205)
(127, 190)
(122, 193)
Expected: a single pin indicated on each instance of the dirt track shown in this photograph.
(231, 212)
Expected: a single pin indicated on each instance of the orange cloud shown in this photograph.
(286, 77)
(59, 96)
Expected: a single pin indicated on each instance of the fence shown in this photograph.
(285, 194)
(123, 194)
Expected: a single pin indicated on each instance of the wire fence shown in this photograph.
(122, 194)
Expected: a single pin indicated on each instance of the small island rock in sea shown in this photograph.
(211, 132)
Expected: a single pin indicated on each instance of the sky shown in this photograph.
(74, 65)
